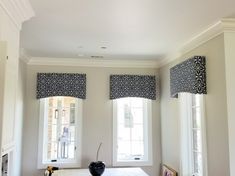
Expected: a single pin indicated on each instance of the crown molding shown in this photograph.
(18, 10)
(220, 27)
(24, 56)
(169, 58)
(202, 37)
(82, 62)
(212, 31)
(228, 24)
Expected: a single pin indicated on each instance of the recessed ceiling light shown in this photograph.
(97, 57)
(103, 47)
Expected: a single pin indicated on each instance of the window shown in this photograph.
(193, 138)
(60, 132)
(132, 132)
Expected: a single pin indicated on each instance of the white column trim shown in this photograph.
(24, 55)
(18, 10)
(212, 31)
(87, 62)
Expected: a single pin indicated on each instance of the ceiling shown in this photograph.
(117, 29)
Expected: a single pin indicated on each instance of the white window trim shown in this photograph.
(185, 135)
(41, 147)
(149, 162)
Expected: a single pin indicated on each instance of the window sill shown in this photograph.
(60, 165)
(133, 163)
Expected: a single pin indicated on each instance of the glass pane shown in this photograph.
(53, 114)
(124, 150)
(71, 150)
(52, 133)
(61, 129)
(137, 115)
(72, 133)
(67, 101)
(136, 102)
(130, 130)
(128, 116)
(52, 151)
(137, 149)
(197, 141)
(137, 133)
(123, 133)
(196, 117)
(65, 116)
(72, 114)
(63, 149)
(52, 102)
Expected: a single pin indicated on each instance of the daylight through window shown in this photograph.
(132, 131)
(61, 129)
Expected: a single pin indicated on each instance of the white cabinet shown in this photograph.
(8, 79)
(9, 98)
(12, 14)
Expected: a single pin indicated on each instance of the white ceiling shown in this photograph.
(130, 29)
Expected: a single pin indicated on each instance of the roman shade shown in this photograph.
(61, 84)
(189, 76)
(132, 86)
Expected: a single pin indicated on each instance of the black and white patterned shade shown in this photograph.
(61, 84)
(189, 76)
(132, 86)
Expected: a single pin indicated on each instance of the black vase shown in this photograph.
(97, 168)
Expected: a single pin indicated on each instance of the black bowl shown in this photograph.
(97, 168)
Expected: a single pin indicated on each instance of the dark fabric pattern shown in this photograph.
(189, 76)
(61, 84)
(132, 86)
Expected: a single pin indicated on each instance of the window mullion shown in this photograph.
(58, 129)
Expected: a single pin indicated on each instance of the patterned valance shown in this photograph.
(189, 76)
(132, 86)
(61, 84)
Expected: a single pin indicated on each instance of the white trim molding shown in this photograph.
(18, 10)
(86, 62)
(212, 31)
(24, 55)
(187, 109)
(147, 160)
(8, 148)
(43, 162)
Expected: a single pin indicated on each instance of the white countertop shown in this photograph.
(107, 172)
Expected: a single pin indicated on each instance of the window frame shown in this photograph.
(41, 164)
(186, 134)
(148, 125)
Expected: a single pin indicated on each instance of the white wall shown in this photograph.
(229, 41)
(97, 117)
(216, 110)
